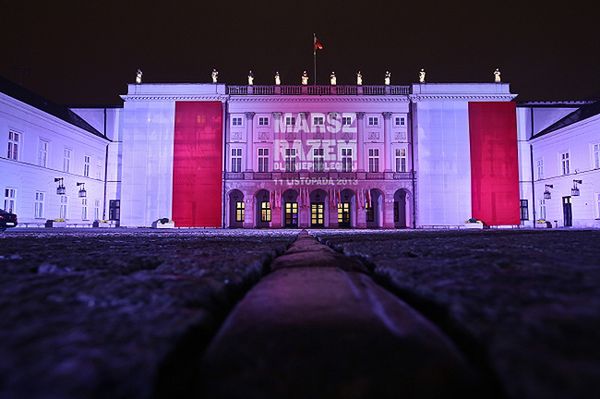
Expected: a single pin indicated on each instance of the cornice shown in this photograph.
(131, 98)
(467, 97)
(318, 99)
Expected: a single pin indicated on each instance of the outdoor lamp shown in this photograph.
(82, 192)
(60, 190)
(575, 189)
(547, 194)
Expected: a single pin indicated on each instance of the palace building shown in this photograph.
(283, 156)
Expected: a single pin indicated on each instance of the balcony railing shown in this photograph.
(317, 175)
(320, 90)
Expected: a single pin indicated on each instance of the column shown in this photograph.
(250, 156)
(360, 144)
(249, 213)
(387, 141)
(276, 151)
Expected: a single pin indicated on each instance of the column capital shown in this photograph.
(387, 115)
(250, 115)
(360, 115)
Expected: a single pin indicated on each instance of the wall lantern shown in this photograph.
(60, 190)
(82, 192)
(575, 189)
(547, 194)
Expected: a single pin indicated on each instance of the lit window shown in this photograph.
(236, 160)
(318, 121)
(524, 209)
(346, 159)
(399, 121)
(39, 205)
(236, 121)
(540, 169)
(84, 209)
(43, 153)
(265, 211)
(400, 160)
(373, 160)
(263, 160)
(290, 120)
(373, 121)
(67, 160)
(86, 166)
(10, 197)
(565, 163)
(263, 121)
(596, 156)
(346, 120)
(14, 141)
(64, 207)
(239, 211)
(318, 160)
(290, 160)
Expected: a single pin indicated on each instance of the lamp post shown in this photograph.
(82, 192)
(60, 190)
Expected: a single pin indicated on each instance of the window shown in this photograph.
(346, 120)
(400, 160)
(399, 121)
(524, 210)
(373, 160)
(43, 153)
(67, 160)
(97, 209)
(318, 160)
(543, 209)
(64, 207)
(98, 169)
(346, 159)
(86, 166)
(290, 160)
(14, 140)
(318, 121)
(540, 169)
(263, 159)
(597, 195)
(236, 121)
(373, 121)
(39, 205)
(290, 121)
(263, 121)
(10, 198)
(84, 209)
(236, 160)
(596, 156)
(370, 212)
(114, 209)
(565, 163)
(239, 211)
(265, 211)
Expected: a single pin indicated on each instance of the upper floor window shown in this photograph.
(318, 160)
(10, 198)
(67, 160)
(540, 169)
(236, 160)
(263, 121)
(290, 159)
(400, 160)
(596, 156)
(346, 120)
(399, 121)
(290, 120)
(39, 205)
(236, 121)
(373, 121)
(86, 166)
(318, 120)
(263, 159)
(373, 160)
(43, 153)
(14, 142)
(565, 163)
(346, 159)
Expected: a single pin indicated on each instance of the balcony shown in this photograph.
(319, 90)
(317, 175)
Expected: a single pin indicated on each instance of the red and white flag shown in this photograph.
(318, 44)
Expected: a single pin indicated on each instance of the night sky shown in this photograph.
(85, 52)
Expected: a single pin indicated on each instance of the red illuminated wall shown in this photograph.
(197, 164)
(494, 162)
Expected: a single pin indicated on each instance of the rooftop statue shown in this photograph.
(214, 75)
(497, 77)
(138, 77)
(304, 78)
(277, 78)
(422, 76)
(332, 79)
(358, 78)
(250, 78)
(388, 78)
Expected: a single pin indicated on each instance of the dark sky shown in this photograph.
(85, 51)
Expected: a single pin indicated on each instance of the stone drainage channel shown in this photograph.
(318, 326)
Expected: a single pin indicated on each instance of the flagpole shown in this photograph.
(315, 59)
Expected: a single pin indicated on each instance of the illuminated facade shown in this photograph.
(216, 155)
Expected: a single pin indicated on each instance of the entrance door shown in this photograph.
(344, 215)
(291, 214)
(317, 214)
(567, 211)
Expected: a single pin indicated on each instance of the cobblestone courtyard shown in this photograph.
(122, 313)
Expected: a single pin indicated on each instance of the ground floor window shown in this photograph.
(114, 209)
(598, 205)
(265, 211)
(64, 203)
(291, 214)
(344, 214)
(543, 209)
(524, 210)
(39, 205)
(84, 209)
(370, 212)
(317, 214)
(96, 209)
(239, 211)
(10, 195)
